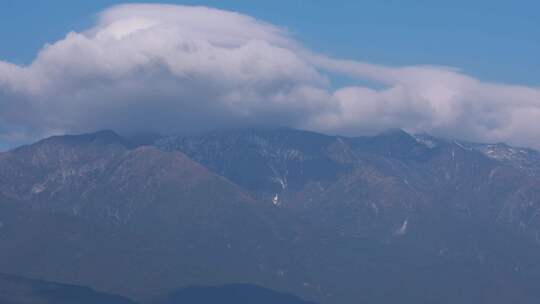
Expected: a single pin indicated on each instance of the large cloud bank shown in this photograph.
(176, 69)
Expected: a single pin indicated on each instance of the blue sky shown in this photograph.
(493, 40)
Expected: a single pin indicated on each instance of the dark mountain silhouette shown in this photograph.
(18, 290)
(231, 294)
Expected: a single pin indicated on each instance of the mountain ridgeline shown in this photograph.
(19, 290)
(393, 218)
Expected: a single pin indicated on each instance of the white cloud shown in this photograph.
(439, 100)
(186, 69)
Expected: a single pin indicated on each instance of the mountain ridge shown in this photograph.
(20, 290)
(328, 218)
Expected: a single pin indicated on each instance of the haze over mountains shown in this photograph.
(383, 219)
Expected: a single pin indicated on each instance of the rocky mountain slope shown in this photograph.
(396, 208)
(383, 219)
(136, 221)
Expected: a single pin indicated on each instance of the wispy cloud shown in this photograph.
(186, 69)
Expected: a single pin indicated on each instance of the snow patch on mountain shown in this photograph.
(526, 160)
(403, 229)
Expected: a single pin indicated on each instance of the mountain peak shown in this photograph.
(396, 134)
(395, 142)
(103, 137)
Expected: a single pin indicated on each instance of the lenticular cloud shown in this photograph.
(173, 69)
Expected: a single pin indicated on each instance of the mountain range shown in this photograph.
(391, 218)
